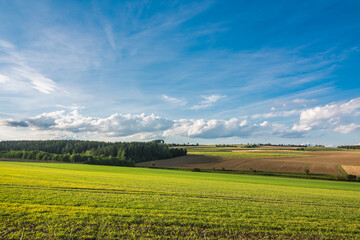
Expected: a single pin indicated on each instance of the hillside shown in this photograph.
(63, 201)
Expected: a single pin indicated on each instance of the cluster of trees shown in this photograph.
(253, 145)
(225, 145)
(182, 145)
(92, 152)
(68, 158)
(350, 147)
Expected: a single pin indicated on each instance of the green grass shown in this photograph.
(77, 201)
(251, 154)
(341, 170)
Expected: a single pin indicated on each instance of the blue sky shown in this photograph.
(183, 71)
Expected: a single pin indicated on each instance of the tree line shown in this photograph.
(254, 145)
(91, 152)
(350, 147)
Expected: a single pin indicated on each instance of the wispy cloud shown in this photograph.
(4, 79)
(108, 29)
(277, 114)
(174, 100)
(71, 107)
(139, 52)
(302, 100)
(208, 101)
(17, 75)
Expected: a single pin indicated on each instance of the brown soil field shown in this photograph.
(264, 151)
(277, 147)
(318, 162)
(354, 170)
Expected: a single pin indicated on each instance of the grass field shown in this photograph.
(76, 201)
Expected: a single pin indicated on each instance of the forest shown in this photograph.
(89, 152)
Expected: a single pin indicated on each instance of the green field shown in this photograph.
(76, 201)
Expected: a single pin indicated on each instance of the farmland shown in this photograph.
(59, 200)
(268, 158)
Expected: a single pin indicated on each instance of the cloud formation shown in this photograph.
(329, 114)
(207, 102)
(345, 129)
(17, 75)
(331, 117)
(302, 101)
(116, 125)
(174, 100)
(277, 114)
(144, 126)
(202, 128)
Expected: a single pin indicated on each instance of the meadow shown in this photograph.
(78, 201)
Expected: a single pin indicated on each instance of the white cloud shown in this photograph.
(4, 79)
(19, 75)
(6, 46)
(174, 100)
(281, 130)
(113, 126)
(142, 126)
(213, 128)
(38, 81)
(277, 114)
(108, 29)
(208, 101)
(328, 114)
(72, 107)
(234, 127)
(302, 101)
(345, 129)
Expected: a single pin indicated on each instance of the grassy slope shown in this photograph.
(48, 200)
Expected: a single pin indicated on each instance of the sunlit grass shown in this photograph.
(50, 200)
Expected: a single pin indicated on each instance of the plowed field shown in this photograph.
(354, 170)
(316, 162)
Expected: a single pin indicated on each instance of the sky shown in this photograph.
(208, 72)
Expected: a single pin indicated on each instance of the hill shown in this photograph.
(64, 201)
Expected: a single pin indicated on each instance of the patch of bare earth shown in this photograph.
(264, 151)
(277, 147)
(354, 170)
(318, 162)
